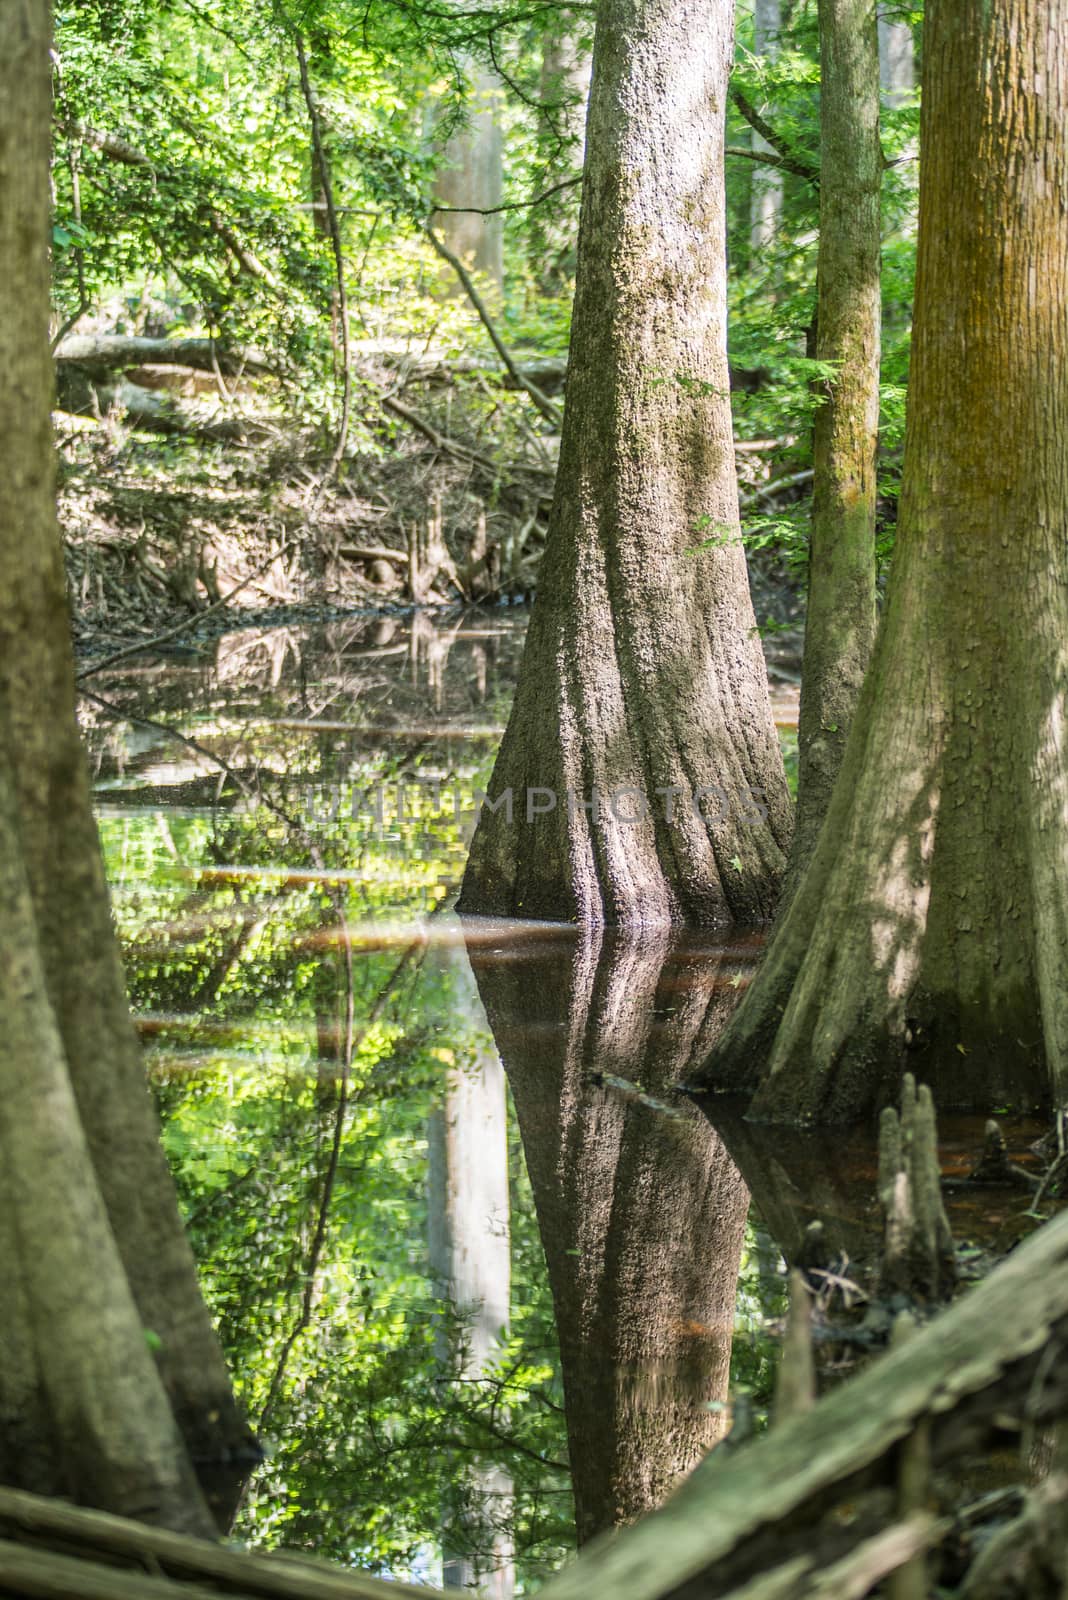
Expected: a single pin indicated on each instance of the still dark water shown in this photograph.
(452, 1215)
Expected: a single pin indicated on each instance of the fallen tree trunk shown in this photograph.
(547, 372)
(766, 1518)
(158, 411)
(95, 1545)
(811, 1510)
(104, 353)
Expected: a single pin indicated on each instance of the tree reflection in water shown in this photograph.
(641, 1209)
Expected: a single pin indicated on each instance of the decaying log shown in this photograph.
(976, 1372)
(104, 353)
(97, 1546)
(918, 1255)
(373, 552)
(547, 372)
(157, 412)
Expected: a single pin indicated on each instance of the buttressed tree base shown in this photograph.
(642, 707)
(96, 1264)
(931, 929)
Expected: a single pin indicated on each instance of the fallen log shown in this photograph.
(547, 372)
(770, 1517)
(96, 1546)
(104, 353)
(157, 411)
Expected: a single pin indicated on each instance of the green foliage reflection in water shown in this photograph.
(344, 1351)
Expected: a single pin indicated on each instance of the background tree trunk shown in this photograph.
(897, 70)
(471, 174)
(932, 924)
(66, 1011)
(566, 66)
(840, 617)
(642, 670)
(641, 1210)
(766, 204)
(470, 1256)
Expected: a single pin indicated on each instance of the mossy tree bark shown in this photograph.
(840, 622)
(642, 671)
(641, 1211)
(96, 1249)
(931, 927)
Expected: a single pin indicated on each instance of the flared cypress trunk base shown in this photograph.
(930, 930)
(640, 782)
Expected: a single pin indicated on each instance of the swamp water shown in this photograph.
(478, 1268)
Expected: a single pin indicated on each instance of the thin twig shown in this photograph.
(339, 268)
(548, 410)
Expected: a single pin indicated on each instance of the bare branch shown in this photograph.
(787, 159)
(548, 410)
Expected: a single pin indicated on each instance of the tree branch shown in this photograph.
(548, 410)
(787, 159)
(339, 265)
(768, 158)
(514, 205)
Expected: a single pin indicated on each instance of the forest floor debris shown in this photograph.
(443, 498)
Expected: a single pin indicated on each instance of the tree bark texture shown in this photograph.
(931, 928)
(641, 1210)
(83, 1160)
(840, 617)
(642, 670)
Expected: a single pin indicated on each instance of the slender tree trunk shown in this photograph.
(470, 1256)
(471, 174)
(897, 70)
(642, 671)
(931, 927)
(640, 1209)
(840, 620)
(766, 203)
(67, 939)
(566, 66)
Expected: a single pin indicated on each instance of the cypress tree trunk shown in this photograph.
(932, 925)
(840, 620)
(640, 1208)
(85, 1121)
(642, 671)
